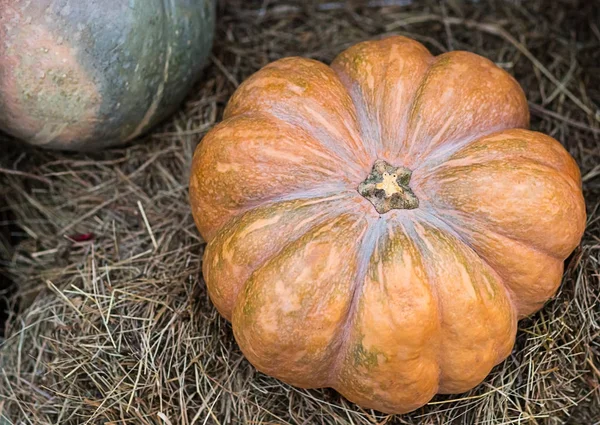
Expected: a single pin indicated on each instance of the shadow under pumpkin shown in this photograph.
(8, 240)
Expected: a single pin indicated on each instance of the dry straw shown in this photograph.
(115, 325)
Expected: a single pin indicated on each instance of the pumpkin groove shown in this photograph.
(367, 248)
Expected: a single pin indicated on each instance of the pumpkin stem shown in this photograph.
(386, 187)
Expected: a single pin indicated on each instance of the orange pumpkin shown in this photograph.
(380, 225)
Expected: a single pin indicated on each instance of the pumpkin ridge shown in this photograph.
(367, 248)
(375, 72)
(320, 224)
(378, 143)
(326, 154)
(538, 165)
(329, 190)
(452, 79)
(450, 237)
(302, 74)
(512, 295)
(411, 232)
(440, 154)
(260, 295)
(390, 364)
(328, 141)
(448, 162)
(410, 142)
(332, 201)
(361, 117)
(379, 103)
(491, 228)
(335, 191)
(450, 228)
(237, 225)
(404, 145)
(333, 155)
(448, 211)
(218, 189)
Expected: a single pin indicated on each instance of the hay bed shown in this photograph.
(118, 329)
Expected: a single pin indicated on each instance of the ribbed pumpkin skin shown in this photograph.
(392, 308)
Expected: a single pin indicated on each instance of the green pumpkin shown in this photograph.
(83, 75)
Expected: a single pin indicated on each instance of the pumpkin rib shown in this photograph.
(334, 157)
(462, 94)
(390, 363)
(412, 233)
(446, 214)
(362, 116)
(270, 317)
(438, 156)
(453, 208)
(408, 224)
(302, 91)
(327, 154)
(378, 140)
(450, 228)
(369, 83)
(404, 120)
(329, 190)
(458, 374)
(223, 186)
(410, 138)
(449, 165)
(242, 232)
(466, 154)
(367, 247)
(523, 305)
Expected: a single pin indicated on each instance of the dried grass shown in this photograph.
(115, 325)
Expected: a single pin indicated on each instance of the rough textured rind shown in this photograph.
(81, 75)
(389, 308)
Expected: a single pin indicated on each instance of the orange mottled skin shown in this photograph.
(391, 308)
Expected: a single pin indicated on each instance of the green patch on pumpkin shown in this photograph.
(368, 359)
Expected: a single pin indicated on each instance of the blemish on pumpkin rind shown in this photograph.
(366, 359)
